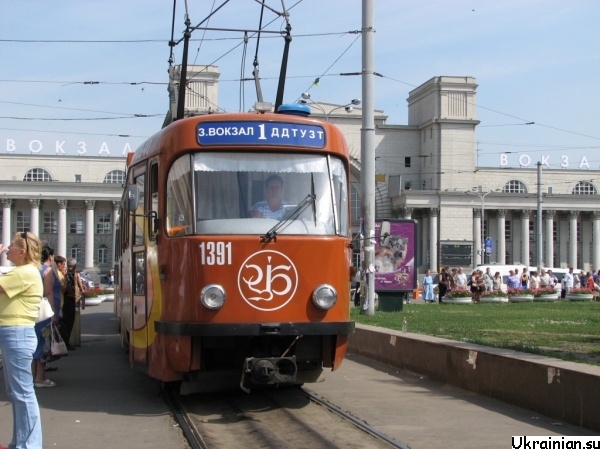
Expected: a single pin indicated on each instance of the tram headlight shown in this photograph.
(324, 297)
(213, 296)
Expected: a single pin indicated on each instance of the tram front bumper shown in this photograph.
(253, 329)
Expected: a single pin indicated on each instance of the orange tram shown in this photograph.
(209, 289)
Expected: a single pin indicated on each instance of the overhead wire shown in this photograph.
(204, 33)
(316, 82)
(251, 36)
(64, 108)
(191, 29)
(68, 83)
(526, 121)
(162, 41)
(111, 41)
(324, 74)
(80, 118)
(73, 132)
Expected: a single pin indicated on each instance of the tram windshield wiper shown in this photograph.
(291, 215)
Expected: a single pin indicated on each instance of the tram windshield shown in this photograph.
(251, 193)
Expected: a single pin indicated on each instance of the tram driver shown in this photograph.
(272, 205)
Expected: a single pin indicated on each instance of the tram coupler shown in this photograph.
(268, 371)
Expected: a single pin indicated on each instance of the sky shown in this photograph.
(89, 77)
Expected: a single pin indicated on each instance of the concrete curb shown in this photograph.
(559, 389)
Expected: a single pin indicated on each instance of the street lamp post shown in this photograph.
(348, 107)
(481, 196)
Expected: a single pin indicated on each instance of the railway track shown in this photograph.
(287, 418)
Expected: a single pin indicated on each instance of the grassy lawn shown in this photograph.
(562, 329)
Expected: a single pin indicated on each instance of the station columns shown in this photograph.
(549, 237)
(525, 256)
(596, 240)
(501, 251)
(573, 214)
(433, 237)
(6, 220)
(35, 216)
(89, 233)
(61, 249)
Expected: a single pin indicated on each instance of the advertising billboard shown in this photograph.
(395, 254)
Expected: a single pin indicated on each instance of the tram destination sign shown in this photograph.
(260, 133)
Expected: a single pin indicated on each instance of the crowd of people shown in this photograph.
(480, 281)
(447, 280)
(24, 340)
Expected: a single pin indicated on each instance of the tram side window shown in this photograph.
(139, 213)
(153, 200)
(140, 274)
(179, 217)
(341, 196)
(340, 192)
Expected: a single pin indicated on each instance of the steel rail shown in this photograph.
(357, 422)
(190, 432)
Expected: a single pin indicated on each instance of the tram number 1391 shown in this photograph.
(215, 253)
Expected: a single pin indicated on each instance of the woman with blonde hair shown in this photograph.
(21, 291)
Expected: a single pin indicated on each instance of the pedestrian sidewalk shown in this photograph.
(99, 401)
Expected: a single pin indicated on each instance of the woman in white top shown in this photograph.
(534, 281)
(497, 282)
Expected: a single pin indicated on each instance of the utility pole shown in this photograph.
(367, 154)
(539, 218)
(481, 196)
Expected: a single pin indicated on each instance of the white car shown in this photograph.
(87, 282)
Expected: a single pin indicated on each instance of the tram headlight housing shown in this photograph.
(324, 297)
(213, 296)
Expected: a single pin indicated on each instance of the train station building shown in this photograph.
(468, 214)
(71, 202)
(426, 170)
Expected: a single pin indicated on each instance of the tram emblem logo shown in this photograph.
(267, 280)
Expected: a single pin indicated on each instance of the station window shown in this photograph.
(508, 230)
(23, 221)
(584, 188)
(115, 177)
(50, 223)
(103, 224)
(76, 222)
(103, 254)
(37, 175)
(76, 253)
(514, 186)
(531, 230)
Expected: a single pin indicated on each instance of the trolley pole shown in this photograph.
(367, 173)
(183, 81)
